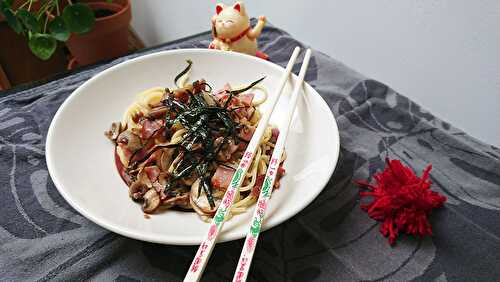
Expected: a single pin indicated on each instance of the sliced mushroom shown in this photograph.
(199, 202)
(114, 131)
(137, 190)
(183, 201)
(158, 112)
(132, 141)
(188, 181)
(197, 209)
(163, 177)
(166, 158)
(160, 189)
(123, 154)
(142, 177)
(153, 158)
(151, 201)
(209, 99)
(180, 198)
(145, 153)
(175, 162)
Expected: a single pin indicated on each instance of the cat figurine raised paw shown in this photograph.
(231, 30)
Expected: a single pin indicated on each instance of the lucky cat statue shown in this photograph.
(231, 30)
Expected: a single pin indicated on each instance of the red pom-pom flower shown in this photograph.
(401, 200)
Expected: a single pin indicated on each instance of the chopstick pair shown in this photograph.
(204, 251)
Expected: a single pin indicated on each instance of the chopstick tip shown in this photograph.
(296, 50)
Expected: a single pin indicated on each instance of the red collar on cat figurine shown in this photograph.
(234, 39)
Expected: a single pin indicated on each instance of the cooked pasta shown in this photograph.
(179, 148)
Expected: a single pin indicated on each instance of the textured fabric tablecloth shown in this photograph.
(42, 238)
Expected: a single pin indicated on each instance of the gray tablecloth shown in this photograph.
(43, 238)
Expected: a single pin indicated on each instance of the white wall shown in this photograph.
(445, 55)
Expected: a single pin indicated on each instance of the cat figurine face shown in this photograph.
(230, 21)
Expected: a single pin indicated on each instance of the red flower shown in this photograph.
(401, 200)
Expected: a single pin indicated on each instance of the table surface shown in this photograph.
(43, 238)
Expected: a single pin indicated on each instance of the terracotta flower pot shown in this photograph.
(109, 36)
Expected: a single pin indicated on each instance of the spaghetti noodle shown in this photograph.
(179, 148)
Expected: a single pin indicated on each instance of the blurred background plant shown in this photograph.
(40, 38)
(46, 22)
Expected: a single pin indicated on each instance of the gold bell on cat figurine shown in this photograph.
(232, 31)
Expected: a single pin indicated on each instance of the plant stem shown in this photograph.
(24, 4)
(45, 25)
(29, 6)
(49, 11)
(70, 2)
(57, 8)
(44, 8)
(48, 15)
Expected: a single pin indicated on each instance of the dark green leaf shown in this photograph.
(4, 5)
(29, 21)
(13, 22)
(58, 29)
(42, 45)
(79, 18)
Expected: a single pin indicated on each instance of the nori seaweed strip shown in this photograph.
(184, 71)
(206, 84)
(208, 191)
(201, 169)
(199, 119)
(236, 92)
(228, 100)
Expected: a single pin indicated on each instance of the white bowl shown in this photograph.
(81, 161)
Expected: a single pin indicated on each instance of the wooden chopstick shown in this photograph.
(267, 187)
(204, 251)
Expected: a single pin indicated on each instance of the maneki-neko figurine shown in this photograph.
(231, 30)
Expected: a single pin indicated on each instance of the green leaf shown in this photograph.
(12, 20)
(29, 21)
(58, 29)
(109, 1)
(79, 18)
(42, 45)
(5, 4)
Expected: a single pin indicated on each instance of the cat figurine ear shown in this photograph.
(231, 30)
(219, 7)
(238, 6)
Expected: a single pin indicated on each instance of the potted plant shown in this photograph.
(92, 30)
(17, 60)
